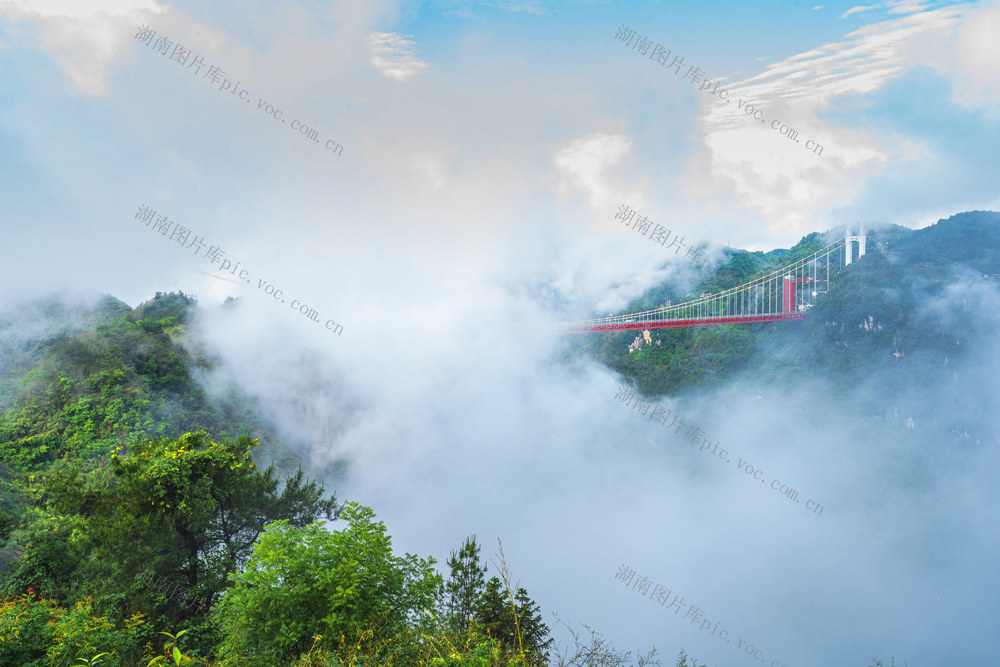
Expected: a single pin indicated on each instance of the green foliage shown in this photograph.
(174, 654)
(174, 305)
(806, 246)
(447, 648)
(684, 357)
(95, 393)
(48, 565)
(439, 646)
(188, 509)
(25, 631)
(465, 584)
(40, 632)
(516, 623)
(302, 582)
(79, 633)
(97, 388)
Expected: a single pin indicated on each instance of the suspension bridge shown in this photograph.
(786, 293)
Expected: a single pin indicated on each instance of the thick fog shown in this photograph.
(484, 430)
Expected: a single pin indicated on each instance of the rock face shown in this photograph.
(637, 343)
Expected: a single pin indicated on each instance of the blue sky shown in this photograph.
(486, 149)
(535, 102)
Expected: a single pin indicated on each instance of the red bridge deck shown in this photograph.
(691, 322)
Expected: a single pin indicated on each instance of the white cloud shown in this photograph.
(585, 164)
(392, 56)
(895, 7)
(858, 9)
(975, 72)
(907, 6)
(76, 9)
(83, 38)
(783, 179)
(960, 42)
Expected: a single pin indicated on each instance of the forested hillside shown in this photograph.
(140, 524)
(99, 379)
(876, 319)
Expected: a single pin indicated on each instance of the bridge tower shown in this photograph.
(788, 295)
(849, 247)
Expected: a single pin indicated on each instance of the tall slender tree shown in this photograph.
(465, 584)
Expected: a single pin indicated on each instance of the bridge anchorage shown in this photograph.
(784, 294)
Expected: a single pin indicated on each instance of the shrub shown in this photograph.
(303, 582)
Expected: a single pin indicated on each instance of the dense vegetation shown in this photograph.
(97, 382)
(189, 534)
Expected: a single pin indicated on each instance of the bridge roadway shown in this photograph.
(785, 293)
(686, 322)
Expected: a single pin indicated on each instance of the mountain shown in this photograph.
(79, 381)
(877, 313)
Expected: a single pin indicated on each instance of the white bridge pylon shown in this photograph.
(783, 294)
(860, 238)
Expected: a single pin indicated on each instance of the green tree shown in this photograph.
(50, 559)
(188, 509)
(303, 582)
(465, 584)
(516, 623)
